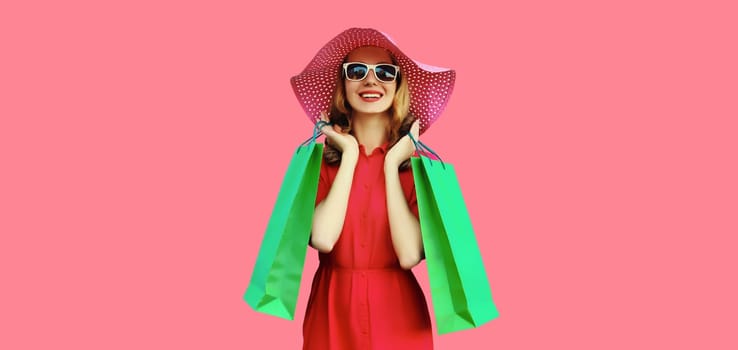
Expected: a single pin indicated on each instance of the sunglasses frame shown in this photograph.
(371, 67)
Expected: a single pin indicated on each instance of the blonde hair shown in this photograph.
(400, 117)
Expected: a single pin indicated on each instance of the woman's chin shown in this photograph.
(373, 108)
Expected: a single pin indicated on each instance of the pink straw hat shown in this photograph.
(430, 87)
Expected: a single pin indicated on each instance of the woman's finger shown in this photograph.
(415, 129)
(324, 117)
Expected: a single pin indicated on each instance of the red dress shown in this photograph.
(361, 298)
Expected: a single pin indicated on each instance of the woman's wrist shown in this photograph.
(350, 156)
(391, 166)
(392, 161)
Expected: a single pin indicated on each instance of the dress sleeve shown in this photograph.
(324, 184)
(408, 186)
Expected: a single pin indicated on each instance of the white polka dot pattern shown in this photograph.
(430, 87)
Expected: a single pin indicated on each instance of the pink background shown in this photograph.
(142, 145)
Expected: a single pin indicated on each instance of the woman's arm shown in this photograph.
(404, 226)
(330, 213)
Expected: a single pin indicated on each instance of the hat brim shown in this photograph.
(430, 87)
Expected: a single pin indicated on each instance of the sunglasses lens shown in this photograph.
(385, 72)
(356, 71)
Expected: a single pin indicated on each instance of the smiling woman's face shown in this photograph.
(370, 96)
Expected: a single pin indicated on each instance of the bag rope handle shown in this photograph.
(420, 147)
(316, 132)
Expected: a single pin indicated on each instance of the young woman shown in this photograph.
(365, 224)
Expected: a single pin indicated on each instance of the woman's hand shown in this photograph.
(403, 149)
(345, 142)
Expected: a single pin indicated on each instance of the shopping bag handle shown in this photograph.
(316, 132)
(420, 147)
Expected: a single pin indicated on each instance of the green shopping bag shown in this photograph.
(460, 291)
(275, 281)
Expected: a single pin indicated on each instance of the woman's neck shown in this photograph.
(370, 130)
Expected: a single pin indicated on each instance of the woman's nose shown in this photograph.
(370, 78)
